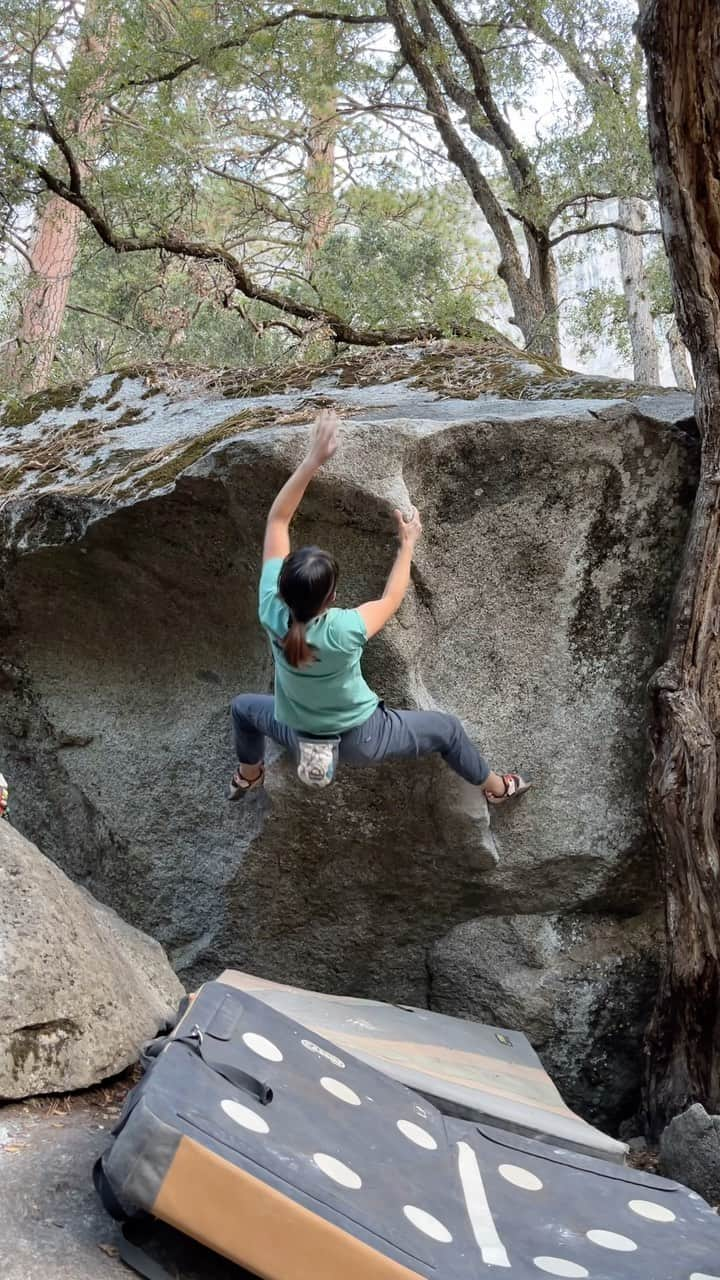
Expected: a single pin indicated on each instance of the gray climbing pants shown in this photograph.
(387, 735)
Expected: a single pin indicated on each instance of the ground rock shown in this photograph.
(690, 1152)
(53, 1225)
(553, 530)
(79, 988)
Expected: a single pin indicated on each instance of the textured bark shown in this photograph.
(631, 213)
(320, 164)
(679, 358)
(52, 259)
(43, 306)
(544, 301)
(680, 38)
(320, 175)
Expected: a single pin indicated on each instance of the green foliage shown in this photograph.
(139, 309)
(196, 120)
(396, 268)
(398, 262)
(599, 314)
(658, 279)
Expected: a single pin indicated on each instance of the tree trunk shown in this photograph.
(542, 326)
(646, 368)
(679, 358)
(52, 258)
(683, 1043)
(43, 305)
(320, 180)
(320, 164)
(533, 296)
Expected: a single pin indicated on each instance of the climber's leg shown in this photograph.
(253, 718)
(392, 735)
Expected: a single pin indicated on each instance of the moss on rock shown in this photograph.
(62, 458)
(21, 412)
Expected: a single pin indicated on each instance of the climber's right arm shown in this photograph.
(323, 443)
(376, 613)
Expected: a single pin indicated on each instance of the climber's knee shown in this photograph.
(453, 729)
(239, 709)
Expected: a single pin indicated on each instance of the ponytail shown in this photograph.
(297, 650)
(307, 586)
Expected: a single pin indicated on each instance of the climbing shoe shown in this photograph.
(514, 786)
(240, 786)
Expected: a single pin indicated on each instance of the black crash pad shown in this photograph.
(468, 1069)
(301, 1163)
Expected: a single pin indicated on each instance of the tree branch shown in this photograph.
(61, 142)
(259, 326)
(534, 18)
(599, 196)
(517, 158)
(99, 315)
(238, 42)
(181, 247)
(604, 226)
(17, 244)
(463, 97)
(458, 153)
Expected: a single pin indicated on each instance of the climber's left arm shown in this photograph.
(323, 443)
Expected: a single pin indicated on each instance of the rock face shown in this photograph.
(690, 1152)
(569, 981)
(79, 989)
(553, 531)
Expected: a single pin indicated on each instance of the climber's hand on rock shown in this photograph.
(409, 527)
(324, 437)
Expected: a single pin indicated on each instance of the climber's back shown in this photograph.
(319, 685)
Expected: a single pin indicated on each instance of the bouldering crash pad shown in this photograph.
(301, 1163)
(467, 1069)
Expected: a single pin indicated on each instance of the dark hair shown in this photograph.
(306, 584)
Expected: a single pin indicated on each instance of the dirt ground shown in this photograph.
(52, 1224)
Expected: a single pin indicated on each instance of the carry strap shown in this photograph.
(135, 1227)
(234, 1075)
(133, 1255)
(130, 1250)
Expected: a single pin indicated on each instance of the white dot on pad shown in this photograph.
(262, 1047)
(425, 1222)
(522, 1178)
(338, 1171)
(244, 1116)
(560, 1267)
(340, 1091)
(611, 1240)
(415, 1133)
(652, 1211)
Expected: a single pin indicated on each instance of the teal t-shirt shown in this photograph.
(330, 695)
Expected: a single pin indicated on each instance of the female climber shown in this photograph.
(322, 709)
